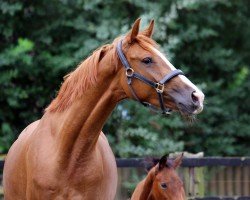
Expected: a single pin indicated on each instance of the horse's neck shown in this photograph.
(79, 127)
(147, 186)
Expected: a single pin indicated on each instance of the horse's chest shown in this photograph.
(96, 180)
(99, 179)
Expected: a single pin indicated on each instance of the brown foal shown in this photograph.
(161, 183)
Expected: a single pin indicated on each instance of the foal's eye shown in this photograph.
(147, 60)
(164, 186)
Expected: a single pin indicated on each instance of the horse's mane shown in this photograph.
(77, 81)
(86, 74)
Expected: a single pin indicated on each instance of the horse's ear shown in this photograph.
(178, 161)
(148, 32)
(149, 163)
(162, 162)
(134, 31)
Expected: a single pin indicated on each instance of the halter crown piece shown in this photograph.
(158, 86)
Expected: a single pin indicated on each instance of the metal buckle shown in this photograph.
(166, 113)
(129, 72)
(159, 87)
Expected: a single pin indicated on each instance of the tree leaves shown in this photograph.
(41, 41)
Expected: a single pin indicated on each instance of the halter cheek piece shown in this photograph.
(159, 86)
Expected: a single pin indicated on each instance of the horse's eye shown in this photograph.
(164, 186)
(147, 60)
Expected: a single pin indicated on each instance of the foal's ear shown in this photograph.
(149, 163)
(134, 31)
(162, 162)
(178, 161)
(148, 32)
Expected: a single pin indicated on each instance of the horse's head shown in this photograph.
(151, 79)
(167, 184)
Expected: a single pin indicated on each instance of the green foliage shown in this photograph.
(43, 40)
(138, 132)
(212, 35)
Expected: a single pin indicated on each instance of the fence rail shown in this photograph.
(193, 165)
(192, 162)
(187, 162)
(230, 177)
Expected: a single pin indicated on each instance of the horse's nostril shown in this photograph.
(194, 97)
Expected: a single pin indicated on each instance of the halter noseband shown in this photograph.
(158, 86)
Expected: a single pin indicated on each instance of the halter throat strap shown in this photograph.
(158, 86)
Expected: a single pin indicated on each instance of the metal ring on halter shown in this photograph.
(159, 87)
(129, 72)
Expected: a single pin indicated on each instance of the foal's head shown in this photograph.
(166, 183)
(145, 59)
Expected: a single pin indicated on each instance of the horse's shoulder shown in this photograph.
(29, 129)
(103, 136)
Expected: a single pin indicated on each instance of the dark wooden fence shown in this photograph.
(192, 162)
(230, 178)
(236, 168)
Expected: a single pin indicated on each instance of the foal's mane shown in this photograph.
(86, 74)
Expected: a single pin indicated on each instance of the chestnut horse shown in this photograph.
(162, 182)
(65, 155)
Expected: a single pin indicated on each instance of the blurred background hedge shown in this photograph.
(41, 41)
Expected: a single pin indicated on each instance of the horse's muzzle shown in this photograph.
(189, 102)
